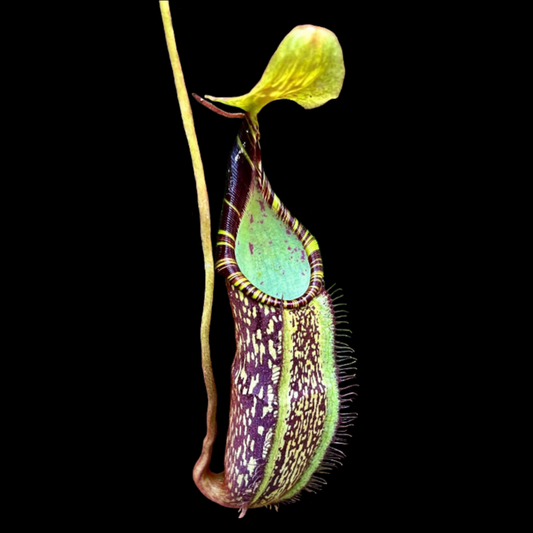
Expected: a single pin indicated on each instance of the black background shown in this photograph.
(142, 268)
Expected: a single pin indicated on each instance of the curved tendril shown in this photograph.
(201, 470)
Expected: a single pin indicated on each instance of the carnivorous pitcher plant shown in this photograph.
(286, 408)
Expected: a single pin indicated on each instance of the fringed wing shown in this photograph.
(285, 395)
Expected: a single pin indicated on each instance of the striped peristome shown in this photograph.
(285, 400)
(244, 172)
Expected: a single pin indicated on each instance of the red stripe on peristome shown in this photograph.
(240, 178)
